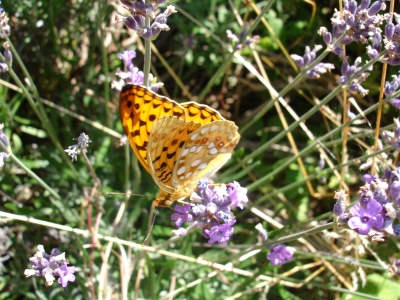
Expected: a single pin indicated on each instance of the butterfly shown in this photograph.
(178, 144)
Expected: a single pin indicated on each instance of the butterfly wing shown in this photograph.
(139, 109)
(167, 138)
(205, 151)
(200, 113)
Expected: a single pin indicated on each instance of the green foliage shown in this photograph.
(71, 52)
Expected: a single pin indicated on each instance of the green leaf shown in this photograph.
(379, 286)
(33, 131)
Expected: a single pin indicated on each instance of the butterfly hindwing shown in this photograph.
(206, 150)
(167, 138)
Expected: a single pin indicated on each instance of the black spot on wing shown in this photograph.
(135, 133)
(157, 158)
(171, 155)
(166, 178)
(143, 147)
(163, 165)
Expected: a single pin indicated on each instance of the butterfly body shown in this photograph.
(178, 144)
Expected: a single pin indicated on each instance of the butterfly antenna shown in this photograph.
(116, 193)
(151, 226)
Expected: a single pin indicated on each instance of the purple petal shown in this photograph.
(368, 178)
(377, 222)
(358, 226)
(221, 234)
(355, 210)
(373, 207)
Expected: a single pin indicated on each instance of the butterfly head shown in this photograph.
(165, 199)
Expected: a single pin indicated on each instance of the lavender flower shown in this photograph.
(131, 74)
(366, 194)
(391, 87)
(220, 234)
(237, 194)
(6, 30)
(7, 53)
(340, 206)
(368, 178)
(50, 266)
(378, 209)
(3, 157)
(189, 43)
(3, 137)
(83, 144)
(397, 267)
(392, 35)
(280, 254)
(363, 219)
(352, 78)
(304, 61)
(238, 42)
(140, 10)
(355, 23)
(380, 188)
(6, 144)
(262, 233)
(343, 219)
(210, 211)
(181, 215)
(393, 138)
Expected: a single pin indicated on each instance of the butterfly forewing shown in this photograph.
(139, 109)
(167, 138)
(206, 150)
(200, 113)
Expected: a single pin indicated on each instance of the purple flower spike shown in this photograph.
(140, 10)
(210, 211)
(395, 190)
(127, 57)
(50, 266)
(343, 219)
(181, 214)
(238, 194)
(280, 254)
(4, 139)
(389, 30)
(221, 234)
(368, 178)
(340, 207)
(375, 8)
(363, 219)
(262, 233)
(66, 275)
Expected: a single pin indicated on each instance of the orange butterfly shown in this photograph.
(178, 144)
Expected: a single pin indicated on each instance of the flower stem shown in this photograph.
(147, 55)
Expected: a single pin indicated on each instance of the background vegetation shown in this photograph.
(71, 51)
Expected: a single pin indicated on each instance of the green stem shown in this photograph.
(37, 106)
(228, 60)
(306, 150)
(147, 55)
(28, 171)
(104, 54)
